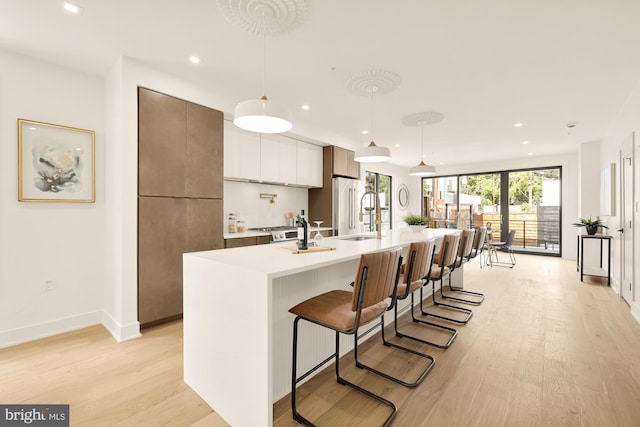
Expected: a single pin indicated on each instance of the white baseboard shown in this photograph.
(120, 332)
(46, 329)
(615, 285)
(635, 311)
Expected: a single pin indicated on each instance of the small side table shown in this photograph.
(580, 257)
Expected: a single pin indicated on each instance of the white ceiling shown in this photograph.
(485, 64)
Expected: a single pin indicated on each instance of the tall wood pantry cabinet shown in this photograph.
(180, 191)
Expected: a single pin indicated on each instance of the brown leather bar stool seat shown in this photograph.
(443, 265)
(464, 255)
(344, 312)
(416, 272)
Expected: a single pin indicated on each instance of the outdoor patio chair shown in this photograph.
(505, 246)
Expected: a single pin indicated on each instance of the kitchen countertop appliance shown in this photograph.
(279, 233)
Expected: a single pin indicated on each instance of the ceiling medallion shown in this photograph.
(265, 17)
(384, 81)
(423, 119)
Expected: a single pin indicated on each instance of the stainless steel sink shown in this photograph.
(358, 238)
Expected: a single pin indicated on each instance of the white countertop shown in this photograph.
(276, 262)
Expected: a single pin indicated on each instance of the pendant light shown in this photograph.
(422, 119)
(372, 153)
(262, 115)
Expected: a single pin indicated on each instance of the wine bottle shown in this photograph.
(303, 232)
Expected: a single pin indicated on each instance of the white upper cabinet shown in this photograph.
(269, 157)
(241, 153)
(309, 160)
(277, 159)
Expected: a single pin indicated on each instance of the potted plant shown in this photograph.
(590, 224)
(417, 222)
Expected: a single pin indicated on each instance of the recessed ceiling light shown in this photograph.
(525, 142)
(529, 154)
(32, 128)
(364, 131)
(517, 125)
(72, 8)
(305, 107)
(397, 145)
(194, 59)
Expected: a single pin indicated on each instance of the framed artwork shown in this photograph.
(55, 163)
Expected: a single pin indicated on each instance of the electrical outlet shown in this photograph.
(49, 285)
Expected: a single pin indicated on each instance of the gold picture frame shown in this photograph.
(55, 163)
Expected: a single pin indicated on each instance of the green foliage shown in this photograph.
(417, 219)
(524, 186)
(588, 222)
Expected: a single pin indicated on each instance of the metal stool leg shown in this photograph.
(448, 306)
(478, 301)
(453, 332)
(295, 380)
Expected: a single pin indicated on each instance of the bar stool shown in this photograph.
(344, 312)
(443, 265)
(416, 274)
(464, 255)
(478, 243)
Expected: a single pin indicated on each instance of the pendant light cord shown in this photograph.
(372, 90)
(422, 139)
(264, 63)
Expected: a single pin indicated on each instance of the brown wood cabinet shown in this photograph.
(246, 241)
(336, 161)
(180, 190)
(344, 163)
(180, 147)
(204, 155)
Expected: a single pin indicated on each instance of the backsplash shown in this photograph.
(244, 199)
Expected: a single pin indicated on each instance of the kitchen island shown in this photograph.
(237, 328)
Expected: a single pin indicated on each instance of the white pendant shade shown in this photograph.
(262, 115)
(422, 170)
(372, 154)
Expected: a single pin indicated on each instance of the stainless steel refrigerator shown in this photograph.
(346, 206)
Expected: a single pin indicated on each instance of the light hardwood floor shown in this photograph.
(544, 349)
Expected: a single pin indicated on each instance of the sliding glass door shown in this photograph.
(527, 201)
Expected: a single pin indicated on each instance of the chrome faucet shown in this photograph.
(378, 221)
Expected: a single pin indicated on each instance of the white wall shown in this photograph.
(589, 178)
(626, 123)
(40, 241)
